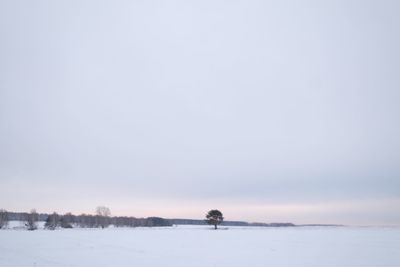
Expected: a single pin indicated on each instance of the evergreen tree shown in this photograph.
(52, 222)
(214, 217)
(3, 218)
(67, 220)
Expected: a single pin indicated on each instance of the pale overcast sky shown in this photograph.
(267, 110)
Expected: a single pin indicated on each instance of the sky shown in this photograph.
(271, 111)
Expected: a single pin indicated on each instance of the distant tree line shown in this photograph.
(101, 219)
(227, 223)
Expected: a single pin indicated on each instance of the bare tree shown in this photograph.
(3, 218)
(31, 220)
(102, 216)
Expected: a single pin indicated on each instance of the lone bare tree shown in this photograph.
(214, 217)
(103, 216)
(3, 218)
(31, 220)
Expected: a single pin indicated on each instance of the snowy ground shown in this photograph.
(201, 246)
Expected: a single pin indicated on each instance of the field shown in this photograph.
(202, 246)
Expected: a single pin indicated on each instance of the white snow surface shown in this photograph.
(202, 246)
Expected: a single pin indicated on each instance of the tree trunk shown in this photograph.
(215, 226)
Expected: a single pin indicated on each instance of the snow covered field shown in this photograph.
(201, 246)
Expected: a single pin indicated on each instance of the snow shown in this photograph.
(202, 246)
(20, 225)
